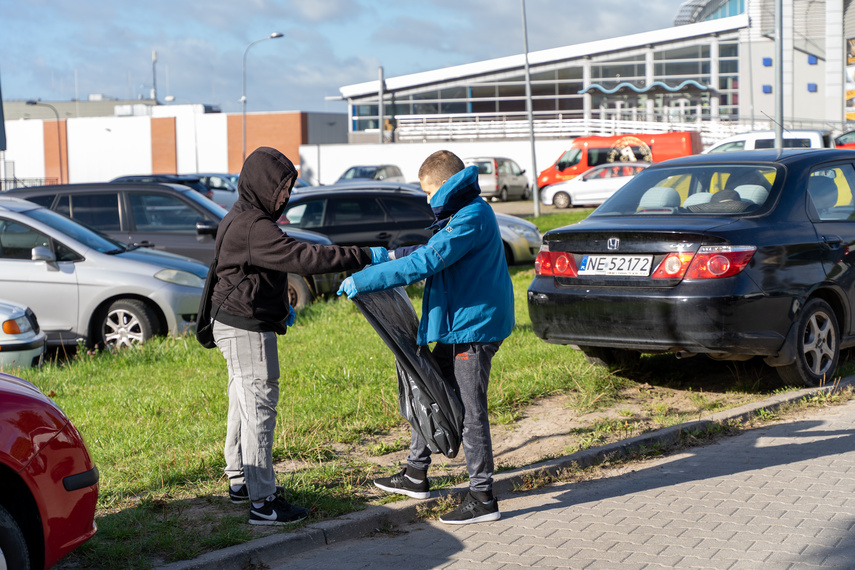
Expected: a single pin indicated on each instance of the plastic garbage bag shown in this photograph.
(425, 398)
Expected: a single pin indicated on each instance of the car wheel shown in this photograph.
(503, 195)
(526, 193)
(126, 322)
(509, 254)
(13, 547)
(817, 346)
(561, 200)
(299, 294)
(610, 357)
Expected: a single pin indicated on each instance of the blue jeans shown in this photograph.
(253, 364)
(467, 368)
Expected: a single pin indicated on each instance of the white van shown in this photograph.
(766, 139)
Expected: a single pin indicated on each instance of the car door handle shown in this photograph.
(384, 235)
(832, 241)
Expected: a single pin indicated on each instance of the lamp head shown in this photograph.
(275, 35)
(32, 102)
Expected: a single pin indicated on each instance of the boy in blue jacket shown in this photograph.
(467, 310)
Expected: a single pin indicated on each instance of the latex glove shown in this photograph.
(289, 320)
(348, 287)
(379, 255)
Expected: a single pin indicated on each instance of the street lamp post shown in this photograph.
(274, 35)
(58, 131)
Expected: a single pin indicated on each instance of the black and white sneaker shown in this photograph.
(404, 484)
(242, 494)
(471, 510)
(277, 512)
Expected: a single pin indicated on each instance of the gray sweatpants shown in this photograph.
(253, 364)
(467, 367)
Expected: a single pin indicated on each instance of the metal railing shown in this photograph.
(495, 126)
(9, 183)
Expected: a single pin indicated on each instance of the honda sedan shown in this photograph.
(731, 255)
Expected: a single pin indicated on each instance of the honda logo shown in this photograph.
(613, 243)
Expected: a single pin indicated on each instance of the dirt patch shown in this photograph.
(549, 428)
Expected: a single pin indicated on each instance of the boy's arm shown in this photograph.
(444, 249)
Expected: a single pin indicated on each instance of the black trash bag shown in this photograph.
(425, 398)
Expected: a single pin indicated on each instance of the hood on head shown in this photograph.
(454, 194)
(265, 172)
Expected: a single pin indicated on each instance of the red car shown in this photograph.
(48, 479)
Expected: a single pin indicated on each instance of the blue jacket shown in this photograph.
(468, 293)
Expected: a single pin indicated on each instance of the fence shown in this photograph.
(9, 183)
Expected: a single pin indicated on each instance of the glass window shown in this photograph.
(408, 210)
(355, 211)
(308, 214)
(162, 213)
(17, 240)
(45, 201)
(830, 191)
(99, 211)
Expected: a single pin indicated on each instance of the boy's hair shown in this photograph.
(441, 165)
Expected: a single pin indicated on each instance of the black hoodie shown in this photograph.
(256, 255)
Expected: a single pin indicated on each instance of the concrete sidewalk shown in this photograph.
(780, 496)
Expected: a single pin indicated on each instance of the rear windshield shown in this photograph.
(725, 189)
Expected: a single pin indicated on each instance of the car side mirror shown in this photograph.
(207, 228)
(41, 253)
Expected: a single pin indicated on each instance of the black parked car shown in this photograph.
(730, 255)
(388, 215)
(169, 217)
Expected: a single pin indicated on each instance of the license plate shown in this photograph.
(631, 265)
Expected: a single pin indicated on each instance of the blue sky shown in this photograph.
(58, 50)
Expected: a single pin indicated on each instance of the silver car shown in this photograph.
(86, 287)
(500, 178)
(522, 239)
(22, 343)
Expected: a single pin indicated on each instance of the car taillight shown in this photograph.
(710, 262)
(555, 263)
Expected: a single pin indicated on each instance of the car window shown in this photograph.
(830, 191)
(729, 147)
(354, 211)
(159, 212)
(44, 201)
(17, 240)
(308, 214)
(403, 210)
(485, 167)
(515, 168)
(100, 211)
(65, 225)
(694, 190)
(787, 143)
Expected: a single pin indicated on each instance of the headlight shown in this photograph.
(524, 231)
(20, 325)
(180, 278)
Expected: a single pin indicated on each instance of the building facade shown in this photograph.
(714, 71)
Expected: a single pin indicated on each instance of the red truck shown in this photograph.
(586, 152)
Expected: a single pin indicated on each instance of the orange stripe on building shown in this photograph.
(164, 152)
(283, 131)
(56, 152)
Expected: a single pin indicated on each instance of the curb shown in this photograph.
(276, 548)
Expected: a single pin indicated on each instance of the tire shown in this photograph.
(817, 346)
(509, 255)
(610, 357)
(561, 200)
(13, 546)
(299, 294)
(526, 193)
(126, 322)
(503, 195)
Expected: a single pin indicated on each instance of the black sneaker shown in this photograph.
(242, 494)
(403, 484)
(277, 512)
(471, 510)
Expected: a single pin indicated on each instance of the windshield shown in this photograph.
(72, 229)
(719, 189)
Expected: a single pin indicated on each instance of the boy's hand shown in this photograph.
(348, 287)
(379, 255)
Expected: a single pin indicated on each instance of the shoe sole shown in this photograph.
(407, 492)
(274, 523)
(489, 517)
(239, 501)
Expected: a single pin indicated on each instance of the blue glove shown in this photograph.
(348, 287)
(289, 320)
(379, 255)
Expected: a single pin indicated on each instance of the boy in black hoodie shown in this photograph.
(250, 301)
